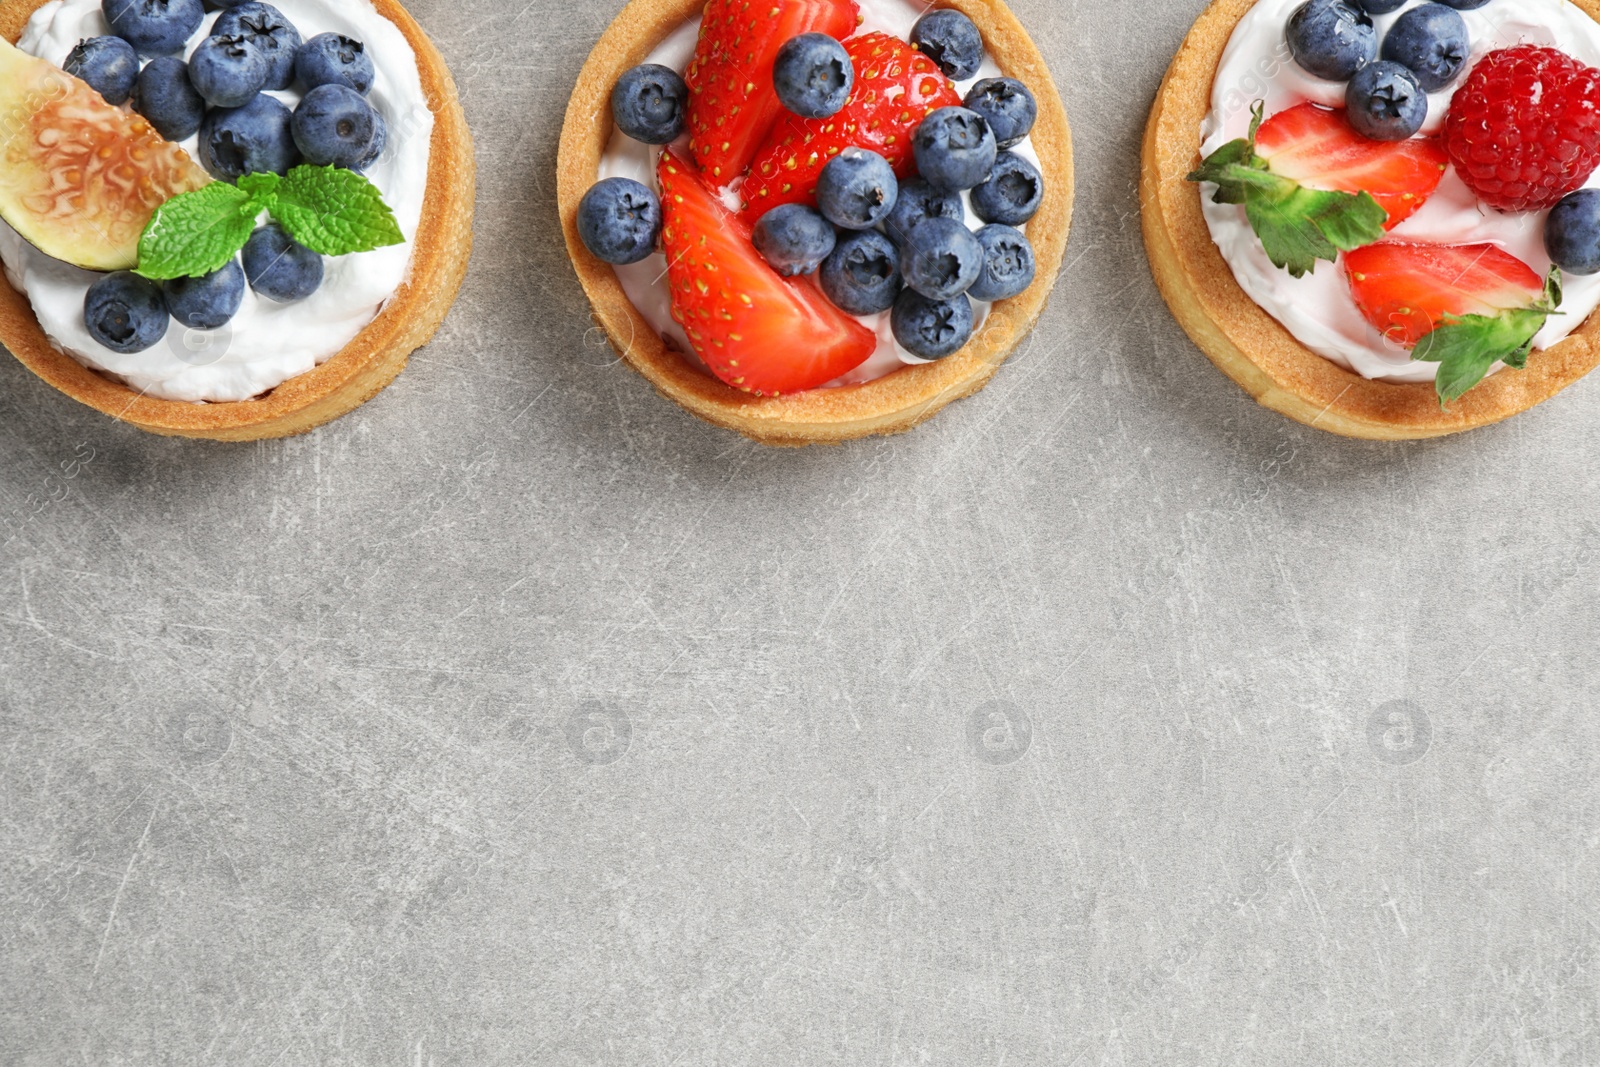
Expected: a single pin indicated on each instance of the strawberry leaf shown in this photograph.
(1466, 347)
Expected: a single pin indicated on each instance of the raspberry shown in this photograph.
(1524, 129)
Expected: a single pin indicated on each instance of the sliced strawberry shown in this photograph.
(895, 88)
(756, 331)
(1317, 148)
(732, 103)
(1406, 290)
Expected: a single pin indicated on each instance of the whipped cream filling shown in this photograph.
(645, 282)
(1318, 309)
(266, 343)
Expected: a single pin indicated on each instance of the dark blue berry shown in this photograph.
(1384, 102)
(109, 64)
(955, 149)
(334, 59)
(794, 239)
(813, 75)
(1332, 38)
(228, 71)
(266, 27)
(862, 276)
(857, 189)
(168, 99)
(253, 139)
(941, 259)
(1009, 265)
(334, 126)
(1007, 106)
(154, 27)
(125, 313)
(1431, 40)
(650, 104)
(918, 202)
(209, 301)
(1383, 7)
(931, 329)
(280, 268)
(1572, 232)
(1012, 194)
(1462, 5)
(380, 141)
(619, 221)
(951, 40)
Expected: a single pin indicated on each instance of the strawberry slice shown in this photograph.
(1465, 307)
(895, 88)
(754, 330)
(732, 103)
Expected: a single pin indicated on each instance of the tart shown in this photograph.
(438, 254)
(1247, 342)
(890, 402)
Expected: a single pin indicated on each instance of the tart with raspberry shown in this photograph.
(232, 224)
(1383, 223)
(810, 221)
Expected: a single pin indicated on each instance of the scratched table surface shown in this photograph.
(519, 718)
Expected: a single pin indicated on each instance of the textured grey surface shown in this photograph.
(521, 719)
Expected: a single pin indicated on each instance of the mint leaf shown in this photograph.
(196, 233)
(262, 187)
(334, 211)
(1467, 346)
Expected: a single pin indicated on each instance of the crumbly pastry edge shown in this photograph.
(1252, 347)
(360, 370)
(894, 403)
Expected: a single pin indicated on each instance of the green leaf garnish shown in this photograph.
(332, 211)
(1297, 225)
(1466, 346)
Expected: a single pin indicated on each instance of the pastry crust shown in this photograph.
(364, 366)
(892, 404)
(1249, 345)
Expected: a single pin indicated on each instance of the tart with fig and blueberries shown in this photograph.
(230, 220)
(809, 221)
(1382, 217)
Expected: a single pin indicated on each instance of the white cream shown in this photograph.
(646, 282)
(267, 343)
(1318, 309)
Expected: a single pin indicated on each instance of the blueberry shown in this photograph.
(918, 202)
(1384, 102)
(794, 239)
(650, 104)
(380, 141)
(1007, 106)
(280, 268)
(228, 71)
(125, 313)
(955, 148)
(1331, 38)
(154, 27)
(168, 99)
(813, 75)
(931, 329)
(1572, 232)
(862, 276)
(857, 189)
(1012, 194)
(1383, 7)
(951, 40)
(252, 139)
(1461, 5)
(334, 59)
(1009, 265)
(619, 221)
(209, 301)
(1433, 41)
(941, 259)
(266, 27)
(108, 64)
(334, 126)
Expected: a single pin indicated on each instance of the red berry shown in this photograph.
(1406, 290)
(1524, 129)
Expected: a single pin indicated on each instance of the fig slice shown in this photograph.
(79, 179)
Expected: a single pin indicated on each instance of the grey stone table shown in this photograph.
(519, 718)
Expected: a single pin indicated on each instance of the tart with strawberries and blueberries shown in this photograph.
(226, 219)
(815, 220)
(1382, 217)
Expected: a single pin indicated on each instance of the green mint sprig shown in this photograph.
(1297, 225)
(330, 210)
(1466, 346)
